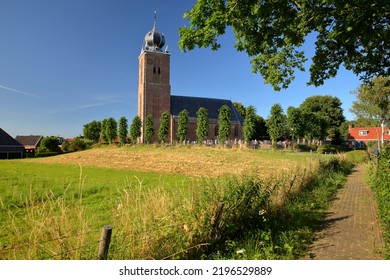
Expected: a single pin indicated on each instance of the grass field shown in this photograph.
(159, 200)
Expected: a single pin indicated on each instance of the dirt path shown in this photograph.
(351, 230)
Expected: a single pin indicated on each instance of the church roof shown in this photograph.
(212, 105)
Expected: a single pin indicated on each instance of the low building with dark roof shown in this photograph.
(30, 143)
(9, 147)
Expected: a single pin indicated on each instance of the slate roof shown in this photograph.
(8, 143)
(29, 141)
(192, 104)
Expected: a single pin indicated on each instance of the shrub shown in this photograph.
(358, 156)
(306, 148)
(380, 182)
(330, 149)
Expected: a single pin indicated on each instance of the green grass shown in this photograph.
(35, 197)
(21, 179)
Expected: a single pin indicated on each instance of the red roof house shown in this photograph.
(359, 137)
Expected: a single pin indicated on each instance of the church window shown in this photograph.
(154, 70)
(236, 131)
(216, 130)
(159, 71)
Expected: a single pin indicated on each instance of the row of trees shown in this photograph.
(254, 125)
(321, 117)
(109, 130)
(317, 118)
(106, 130)
(202, 127)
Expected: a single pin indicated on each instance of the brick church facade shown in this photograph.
(154, 95)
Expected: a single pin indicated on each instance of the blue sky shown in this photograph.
(65, 63)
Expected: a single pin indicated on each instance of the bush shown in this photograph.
(45, 154)
(380, 182)
(306, 148)
(48, 147)
(80, 144)
(358, 156)
(331, 149)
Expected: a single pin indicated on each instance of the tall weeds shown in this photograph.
(380, 183)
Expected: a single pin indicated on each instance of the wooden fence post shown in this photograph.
(105, 240)
(215, 219)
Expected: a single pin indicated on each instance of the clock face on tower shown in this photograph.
(150, 61)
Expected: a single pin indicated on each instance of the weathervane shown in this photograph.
(155, 19)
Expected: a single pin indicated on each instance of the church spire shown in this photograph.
(155, 20)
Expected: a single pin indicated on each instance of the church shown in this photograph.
(154, 95)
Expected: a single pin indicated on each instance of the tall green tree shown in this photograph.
(49, 144)
(202, 125)
(92, 131)
(249, 124)
(163, 131)
(260, 128)
(135, 129)
(314, 126)
(344, 130)
(123, 129)
(373, 103)
(276, 123)
(149, 129)
(224, 123)
(355, 34)
(328, 111)
(240, 109)
(182, 128)
(111, 130)
(295, 123)
(103, 135)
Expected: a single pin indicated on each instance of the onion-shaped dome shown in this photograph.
(154, 40)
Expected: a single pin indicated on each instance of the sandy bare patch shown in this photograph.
(187, 161)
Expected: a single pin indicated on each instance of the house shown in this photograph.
(154, 95)
(360, 137)
(9, 147)
(30, 143)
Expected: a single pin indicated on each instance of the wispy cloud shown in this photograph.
(96, 100)
(18, 91)
(79, 108)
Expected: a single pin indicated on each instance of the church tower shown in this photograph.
(154, 89)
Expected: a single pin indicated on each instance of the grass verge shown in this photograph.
(380, 183)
